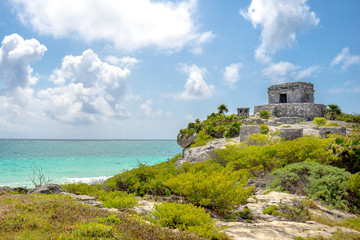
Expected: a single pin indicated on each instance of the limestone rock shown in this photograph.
(273, 227)
(203, 153)
(247, 130)
(144, 206)
(47, 189)
(324, 131)
(84, 199)
(291, 133)
(184, 140)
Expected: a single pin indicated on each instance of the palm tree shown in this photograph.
(223, 109)
(333, 111)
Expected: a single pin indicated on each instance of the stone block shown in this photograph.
(289, 120)
(291, 133)
(247, 130)
(324, 131)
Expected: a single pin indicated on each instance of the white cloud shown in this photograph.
(129, 25)
(306, 73)
(280, 20)
(345, 59)
(15, 57)
(231, 74)
(346, 87)
(127, 62)
(147, 107)
(89, 90)
(195, 86)
(17, 100)
(285, 71)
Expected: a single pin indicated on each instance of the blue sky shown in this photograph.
(143, 69)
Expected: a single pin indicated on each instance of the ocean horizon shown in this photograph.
(77, 160)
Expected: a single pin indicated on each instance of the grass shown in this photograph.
(36, 216)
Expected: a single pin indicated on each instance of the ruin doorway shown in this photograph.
(283, 98)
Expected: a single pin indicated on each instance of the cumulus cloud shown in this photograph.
(129, 25)
(231, 74)
(285, 71)
(15, 57)
(195, 86)
(345, 59)
(147, 107)
(88, 90)
(280, 20)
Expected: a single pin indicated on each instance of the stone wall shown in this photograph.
(247, 130)
(291, 133)
(324, 131)
(243, 112)
(307, 111)
(293, 92)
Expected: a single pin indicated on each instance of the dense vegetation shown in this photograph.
(36, 216)
(216, 125)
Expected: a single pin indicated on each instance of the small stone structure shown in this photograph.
(294, 99)
(243, 112)
(291, 133)
(247, 130)
(292, 92)
(324, 131)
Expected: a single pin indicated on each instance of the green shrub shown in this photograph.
(354, 184)
(264, 129)
(317, 181)
(260, 153)
(186, 217)
(210, 185)
(272, 210)
(319, 121)
(146, 179)
(297, 211)
(94, 230)
(265, 114)
(110, 199)
(216, 125)
(245, 214)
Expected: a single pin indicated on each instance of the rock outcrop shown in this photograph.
(47, 189)
(265, 226)
(203, 153)
(185, 140)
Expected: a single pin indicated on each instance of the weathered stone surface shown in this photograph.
(203, 153)
(247, 130)
(291, 133)
(324, 131)
(289, 120)
(276, 230)
(84, 199)
(243, 112)
(307, 111)
(5, 189)
(270, 227)
(185, 141)
(144, 206)
(47, 189)
(292, 92)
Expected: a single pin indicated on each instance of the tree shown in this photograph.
(223, 109)
(333, 111)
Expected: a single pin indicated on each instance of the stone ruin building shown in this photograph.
(293, 99)
(243, 112)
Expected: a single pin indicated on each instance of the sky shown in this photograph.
(142, 69)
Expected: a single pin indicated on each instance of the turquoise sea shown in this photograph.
(77, 160)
